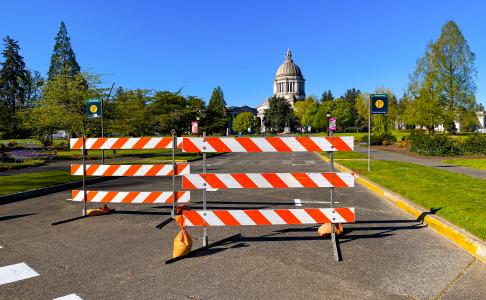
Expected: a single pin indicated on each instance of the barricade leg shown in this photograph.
(205, 229)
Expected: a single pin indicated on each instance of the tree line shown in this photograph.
(31, 105)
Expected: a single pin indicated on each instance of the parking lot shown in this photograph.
(386, 253)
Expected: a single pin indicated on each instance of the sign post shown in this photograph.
(378, 105)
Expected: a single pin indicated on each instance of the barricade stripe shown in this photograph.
(268, 216)
(194, 218)
(218, 145)
(318, 215)
(213, 181)
(257, 217)
(248, 144)
(308, 144)
(269, 144)
(287, 216)
(130, 197)
(334, 179)
(129, 170)
(305, 180)
(338, 143)
(244, 180)
(267, 180)
(278, 144)
(226, 217)
(346, 213)
(274, 180)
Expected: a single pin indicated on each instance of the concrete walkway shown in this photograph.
(433, 162)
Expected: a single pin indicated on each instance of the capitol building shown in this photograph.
(288, 83)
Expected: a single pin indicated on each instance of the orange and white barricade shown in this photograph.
(261, 217)
(152, 170)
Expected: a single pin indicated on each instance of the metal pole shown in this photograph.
(84, 175)
(333, 226)
(369, 134)
(174, 167)
(205, 229)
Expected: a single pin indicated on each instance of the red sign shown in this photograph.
(195, 127)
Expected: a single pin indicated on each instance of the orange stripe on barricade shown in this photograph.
(130, 197)
(338, 143)
(248, 144)
(218, 145)
(267, 180)
(262, 217)
(278, 144)
(308, 144)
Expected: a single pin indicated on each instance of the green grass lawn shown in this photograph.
(165, 159)
(476, 163)
(24, 182)
(359, 135)
(459, 198)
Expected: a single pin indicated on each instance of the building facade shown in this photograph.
(289, 83)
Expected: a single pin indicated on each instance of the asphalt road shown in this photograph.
(386, 253)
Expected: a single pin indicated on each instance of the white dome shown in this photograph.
(288, 68)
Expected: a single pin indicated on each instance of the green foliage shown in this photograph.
(327, 96)
(342, 110)
(63, 59)
(279, 114)
(63, 106)
(217, 115)
(128, 113)
(433, 144)
(14, 79)
(25, 164)
(243, 121)
(310, 114)
(442, 86)
(300, 108)
(474, 144)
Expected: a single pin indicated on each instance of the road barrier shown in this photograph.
(122, 143)
(212, 182)
(267, 180)
(206, 181)
(154, 170)
(268, 216)
(130, 197)
(267, 144)
(131, 170)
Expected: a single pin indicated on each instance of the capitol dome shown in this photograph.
(288, 68)
(289, 82)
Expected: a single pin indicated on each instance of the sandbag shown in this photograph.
(325, 229)
(182, 241)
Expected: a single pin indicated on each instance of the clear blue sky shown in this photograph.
(197, 45)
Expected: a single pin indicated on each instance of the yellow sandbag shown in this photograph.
(325, 229)
(182, 241)
(96, 212)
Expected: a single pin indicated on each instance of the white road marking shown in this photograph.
(297, 202)
(212, 190)
(16, 272)
(69, 297)
(319, 202)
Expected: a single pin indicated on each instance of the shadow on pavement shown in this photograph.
(6, 218)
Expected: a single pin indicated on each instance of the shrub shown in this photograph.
(433, 144)
(474, 144)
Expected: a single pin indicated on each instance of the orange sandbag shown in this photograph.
(182, 241)
(325, 229)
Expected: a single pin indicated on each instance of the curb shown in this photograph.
(49, 190)
(457, 235)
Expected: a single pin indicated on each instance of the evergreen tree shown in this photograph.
(350, 95)
(14, 78)
(217, 116)
(279, 114)
(327, 96)
(63, 59)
